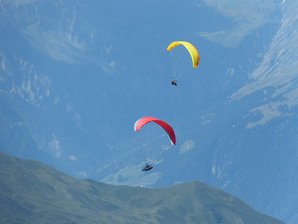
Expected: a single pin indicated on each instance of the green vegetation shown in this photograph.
(31, 192)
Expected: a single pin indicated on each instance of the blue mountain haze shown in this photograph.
(75, 76)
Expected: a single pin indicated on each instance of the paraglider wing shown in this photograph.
(195, 56)
(145, 120)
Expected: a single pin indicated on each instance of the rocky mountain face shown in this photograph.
(74, 77)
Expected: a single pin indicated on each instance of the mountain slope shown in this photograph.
(75, 76)
(34, 193)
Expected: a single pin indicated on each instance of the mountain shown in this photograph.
(34, 193)
(74, 77)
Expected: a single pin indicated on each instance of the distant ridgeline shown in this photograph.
(31, 192)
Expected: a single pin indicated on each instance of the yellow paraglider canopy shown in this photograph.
(191, 49)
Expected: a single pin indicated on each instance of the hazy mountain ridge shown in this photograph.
(74, 77)
(32, 192)
(252, 16)
(276, 74)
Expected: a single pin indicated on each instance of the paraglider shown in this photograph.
(147, 167)
(145, 120)
(192, 50)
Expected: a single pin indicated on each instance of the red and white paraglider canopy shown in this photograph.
(145, 120)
